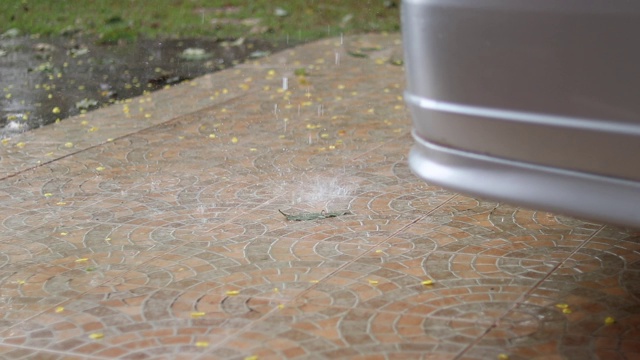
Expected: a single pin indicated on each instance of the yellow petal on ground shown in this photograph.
(93, 129)
(281, 306)
(21, 282)
(202, 344)
(503, 357)
(373, 282)
(48, 195)
(253, 149)
(96, 336)
(562, 306)
(20, 144)
(234, 140)
(59, 309)
(100, 168)
(314, 281)
(68, 145)
(252, 357)
(81, 260)
(276, 290)
(197, 314)
(609, 321)
(56, 110)
(378, 251)
(64, 233)
(233, 292)
(566, 311)
(61, 203)
(427, 282)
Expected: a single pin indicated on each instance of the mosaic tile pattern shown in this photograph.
(151, 230)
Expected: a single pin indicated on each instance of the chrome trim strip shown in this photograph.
(598, 125)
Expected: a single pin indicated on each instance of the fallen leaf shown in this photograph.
(197, 314)
(86, 104)
(194, 54)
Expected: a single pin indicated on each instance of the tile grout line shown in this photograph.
(57, 352)
(297, 296)
(380, 145)
(520, 300)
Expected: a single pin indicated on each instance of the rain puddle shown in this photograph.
(45, 80)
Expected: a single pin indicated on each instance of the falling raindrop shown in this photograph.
(337, 58)
(285, 83)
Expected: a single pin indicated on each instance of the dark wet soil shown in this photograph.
(45, 80)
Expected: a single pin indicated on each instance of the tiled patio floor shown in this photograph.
(150, 230)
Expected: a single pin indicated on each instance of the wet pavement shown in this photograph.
(151, 230)
(44, 80)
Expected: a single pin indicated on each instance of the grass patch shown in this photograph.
(114, 20)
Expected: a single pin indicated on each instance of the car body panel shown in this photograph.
(533, 103)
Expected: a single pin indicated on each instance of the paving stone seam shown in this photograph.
(527, 294)
(40, 352)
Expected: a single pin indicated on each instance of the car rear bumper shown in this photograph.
(568, 192)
